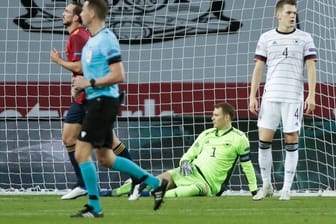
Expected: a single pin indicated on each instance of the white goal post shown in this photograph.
(181, 57)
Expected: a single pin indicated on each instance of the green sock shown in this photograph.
(123, 189)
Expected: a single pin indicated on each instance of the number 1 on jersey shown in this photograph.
(213, 152)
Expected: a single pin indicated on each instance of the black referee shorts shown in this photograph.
(100, 115)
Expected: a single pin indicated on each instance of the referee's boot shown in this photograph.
(88, 212)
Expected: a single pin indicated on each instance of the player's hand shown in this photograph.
(75, 92)
(254, 105)
(186, 168)
(309, 104)
(79, 82)
(55, 55)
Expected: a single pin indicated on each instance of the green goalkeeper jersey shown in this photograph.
(215, 153)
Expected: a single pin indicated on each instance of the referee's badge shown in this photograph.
(83, 134)
(88, 56)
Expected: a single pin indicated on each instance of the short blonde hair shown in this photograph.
(281, 3)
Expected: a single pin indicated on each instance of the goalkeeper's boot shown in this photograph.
(159, 193)
(264, 192)
(284, 195)
(75, 193)
(135, 193)
(88, 212)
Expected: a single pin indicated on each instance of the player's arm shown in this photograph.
(309, 104)
(186, 166)
(73, 66)
(248, 169)
(194, 149)
(255, 82)
(116, 75)
(243, 150)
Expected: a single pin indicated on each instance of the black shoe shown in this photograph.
(88, 212)
(159, 193)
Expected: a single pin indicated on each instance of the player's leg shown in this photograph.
(186, 191)
(130, 184)
(128, 167)
(142, 189)
(291, 161)
(185, 186)
(192, 185)
(291, 119)
(119, 148)
(83, 155)
(268, 122)
(71, 129)
(124, 189)
(109, 112)
(95, 133)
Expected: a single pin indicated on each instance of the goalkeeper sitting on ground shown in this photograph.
(206, 167)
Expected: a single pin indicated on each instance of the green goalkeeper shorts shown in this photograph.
(193, 179)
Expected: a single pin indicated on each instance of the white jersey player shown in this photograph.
(285, 51)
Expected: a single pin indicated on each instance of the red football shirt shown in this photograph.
(74, 45)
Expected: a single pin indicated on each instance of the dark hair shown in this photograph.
(281, 3)
(77, 10)
(227, 109)
(100, 7)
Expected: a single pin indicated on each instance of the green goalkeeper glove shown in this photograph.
(186, 168)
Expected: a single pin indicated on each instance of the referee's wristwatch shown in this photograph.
(92, 83)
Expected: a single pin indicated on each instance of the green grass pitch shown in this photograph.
(229, 209)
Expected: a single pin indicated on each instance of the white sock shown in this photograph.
(265, 163)
(291, 162)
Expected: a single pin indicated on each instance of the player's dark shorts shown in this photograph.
(100, 115)
(75, 114)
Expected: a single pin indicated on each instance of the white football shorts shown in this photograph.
(272, 114)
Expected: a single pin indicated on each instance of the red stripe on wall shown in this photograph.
(179, 98)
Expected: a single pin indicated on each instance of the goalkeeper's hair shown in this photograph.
(227, 109)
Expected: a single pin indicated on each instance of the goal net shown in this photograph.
(181, 57)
